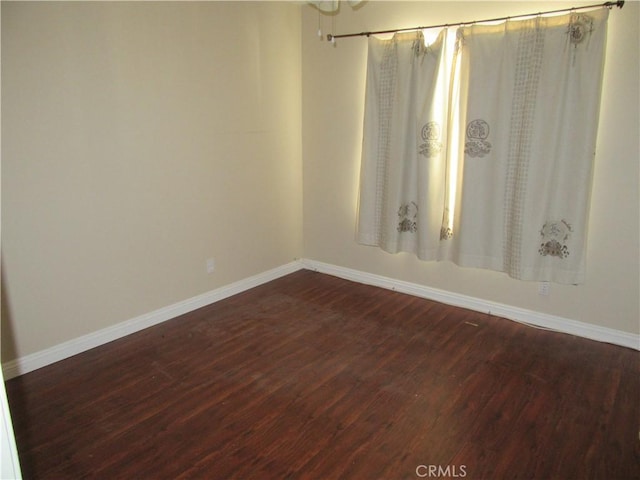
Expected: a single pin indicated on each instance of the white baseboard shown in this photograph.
(551, 322)
(67, 349)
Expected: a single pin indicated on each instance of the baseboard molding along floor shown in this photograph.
(67, 349)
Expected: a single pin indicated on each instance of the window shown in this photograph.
(478, 148)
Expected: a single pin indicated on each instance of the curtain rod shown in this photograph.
(331, 37)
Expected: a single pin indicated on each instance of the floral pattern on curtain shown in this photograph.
(500, 177)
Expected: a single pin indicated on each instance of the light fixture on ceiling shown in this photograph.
(332, 6)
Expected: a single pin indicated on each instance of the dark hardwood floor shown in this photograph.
(314, 377)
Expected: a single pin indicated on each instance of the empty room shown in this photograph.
(320, 240)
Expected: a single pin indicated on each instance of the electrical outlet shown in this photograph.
(210, 265)
(543, 288)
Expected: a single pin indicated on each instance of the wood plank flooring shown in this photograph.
(314, 377)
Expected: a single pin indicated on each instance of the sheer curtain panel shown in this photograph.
(402, 190)
(530, 97)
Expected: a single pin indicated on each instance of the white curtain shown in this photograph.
(530, 96)
(402, 184)
(508, 186)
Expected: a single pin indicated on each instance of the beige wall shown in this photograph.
(333, 94)
(138, 140)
